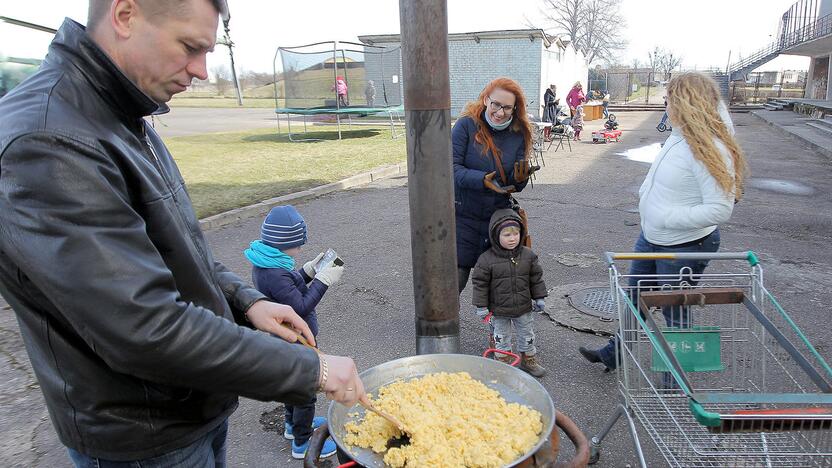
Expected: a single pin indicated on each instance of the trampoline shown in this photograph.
(340, 80)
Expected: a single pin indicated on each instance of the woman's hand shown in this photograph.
(523, 170)
(491, 184)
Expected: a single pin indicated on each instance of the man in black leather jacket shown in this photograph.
(132, 327)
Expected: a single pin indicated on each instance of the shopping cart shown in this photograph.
(715, 371)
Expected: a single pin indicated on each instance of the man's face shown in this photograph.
(163, 55)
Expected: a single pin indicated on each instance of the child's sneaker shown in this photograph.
(317, 422)
(328, 450)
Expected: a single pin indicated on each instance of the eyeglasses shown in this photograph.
(496, 106)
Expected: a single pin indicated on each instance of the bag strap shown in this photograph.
(499, 162)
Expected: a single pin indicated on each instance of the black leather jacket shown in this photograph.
(128, 320)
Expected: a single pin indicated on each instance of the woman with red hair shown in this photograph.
(491, 142)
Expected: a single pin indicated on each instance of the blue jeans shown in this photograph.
(606, 110)
(675, 316)
(301, 417)
(207, 452)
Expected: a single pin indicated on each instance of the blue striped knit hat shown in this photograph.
(284, 228)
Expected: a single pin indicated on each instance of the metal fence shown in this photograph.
(759, 87)
(636, 87)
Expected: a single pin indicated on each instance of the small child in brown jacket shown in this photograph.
(508, 287)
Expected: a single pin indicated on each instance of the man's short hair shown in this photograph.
(98, 9)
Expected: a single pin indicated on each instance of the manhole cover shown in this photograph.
(596, 302)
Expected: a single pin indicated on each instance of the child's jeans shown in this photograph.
(523, 328)
(300, 417)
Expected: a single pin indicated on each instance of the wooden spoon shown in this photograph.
(364, 401)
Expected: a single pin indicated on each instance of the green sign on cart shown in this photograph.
(698, 349)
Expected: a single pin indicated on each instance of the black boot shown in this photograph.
(593, 356)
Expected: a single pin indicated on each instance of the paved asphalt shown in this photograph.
(583, 202)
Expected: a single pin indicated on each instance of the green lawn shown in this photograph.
(218, 101)
(229, 170)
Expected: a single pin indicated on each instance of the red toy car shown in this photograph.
(605, 136)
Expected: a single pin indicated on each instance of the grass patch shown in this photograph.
(219, 101)
(229, 170)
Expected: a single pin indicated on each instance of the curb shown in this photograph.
(262, 208)
(806, 144)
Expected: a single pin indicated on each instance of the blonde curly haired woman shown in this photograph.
(689, 191)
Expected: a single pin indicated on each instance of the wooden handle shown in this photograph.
(300, 338)
(370, 407)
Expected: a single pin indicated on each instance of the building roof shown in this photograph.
(531, 34)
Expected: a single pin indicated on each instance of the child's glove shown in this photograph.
(539, 305)
(309, 267)
(330, 275)
(481, 312)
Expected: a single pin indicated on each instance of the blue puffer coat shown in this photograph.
(289, 287)
(474, 204)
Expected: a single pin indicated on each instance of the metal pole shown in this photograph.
(427, 100)
(227, 41)
(337, 99)
(728, 66)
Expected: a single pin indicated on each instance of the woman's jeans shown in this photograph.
(675, 316)
(207, 452)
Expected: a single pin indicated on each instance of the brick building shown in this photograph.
(528, 56)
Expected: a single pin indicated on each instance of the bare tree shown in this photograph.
(669, 64)
(222, 79)
(594, 26)
(654, 59)
(663, 61)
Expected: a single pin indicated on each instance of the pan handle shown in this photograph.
(578, 439)
(316, 443)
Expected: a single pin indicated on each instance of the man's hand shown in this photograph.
(491, 184)
(309, 267)
(267, 316)
(342, 382)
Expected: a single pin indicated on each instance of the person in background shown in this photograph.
(605, 101)
(550, 110)
(578, 122)
(690, 190)
(370, 93)
(575, 97)
(340, 88)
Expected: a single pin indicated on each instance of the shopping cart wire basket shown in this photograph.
(715, 370)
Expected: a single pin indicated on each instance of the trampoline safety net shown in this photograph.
(315, 76)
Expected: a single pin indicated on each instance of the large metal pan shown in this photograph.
(514, 385)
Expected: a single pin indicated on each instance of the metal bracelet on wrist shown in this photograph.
(324, 374)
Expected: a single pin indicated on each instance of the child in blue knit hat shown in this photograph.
(282, 236)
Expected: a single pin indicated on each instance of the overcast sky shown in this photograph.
(701, 31)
